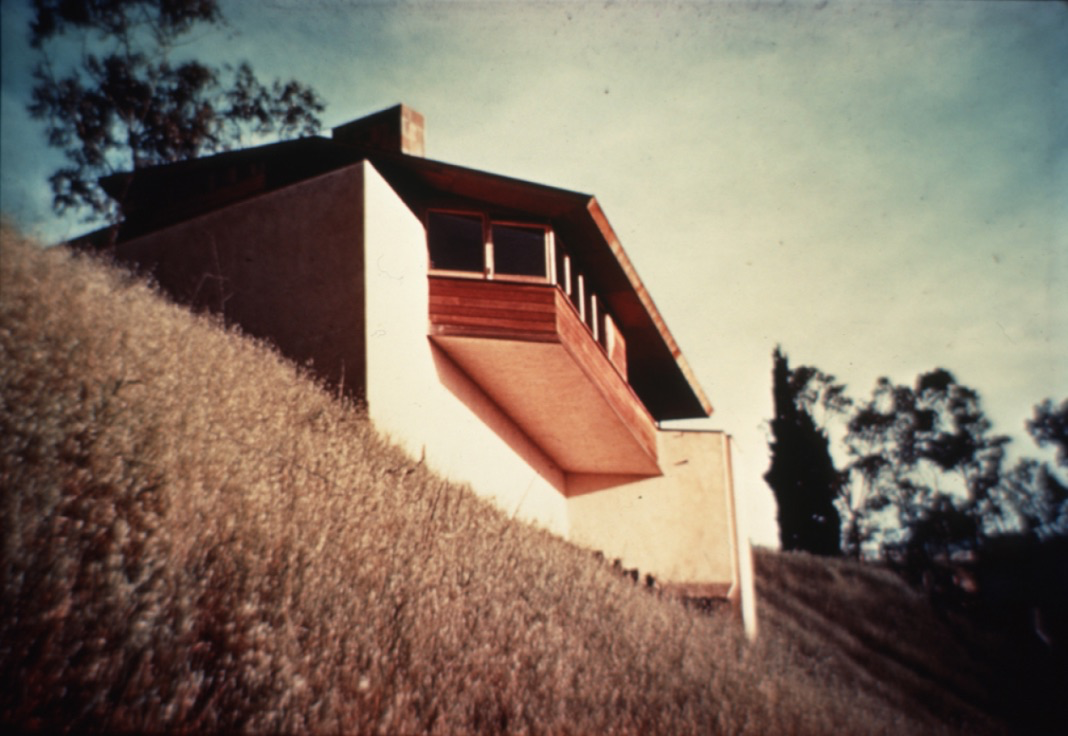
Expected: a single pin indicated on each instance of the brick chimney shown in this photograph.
(399, 129)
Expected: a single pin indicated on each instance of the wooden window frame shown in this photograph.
(488, 272)
(453, 273)
(548, 252)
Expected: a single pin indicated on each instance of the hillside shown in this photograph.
(198, 537)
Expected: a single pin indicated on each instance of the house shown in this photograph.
(494, 326)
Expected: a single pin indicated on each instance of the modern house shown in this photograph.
(493, 326)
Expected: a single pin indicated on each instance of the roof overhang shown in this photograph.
(162, 195)
(657, 369)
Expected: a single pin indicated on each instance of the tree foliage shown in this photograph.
(927, 463)
(802, 474)
(927, 489)
(112, 97)
(1031, 492)
(1050, 427)
(926, 476)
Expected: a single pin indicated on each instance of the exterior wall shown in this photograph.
(419, 397)
(334, 270)
(680, 526)
(286, 266)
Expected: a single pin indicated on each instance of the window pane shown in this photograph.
(519, 250)
(455, 242)
(578, 290)
(591, 311)
(563, 267)
(602, 332)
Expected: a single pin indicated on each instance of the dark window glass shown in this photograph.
(455, 242)
(519, 251)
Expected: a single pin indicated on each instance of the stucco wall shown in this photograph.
(679, 527)
(285, 266)
(419, 397)
(334, 270)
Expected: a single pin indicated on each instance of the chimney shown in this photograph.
(396, 130)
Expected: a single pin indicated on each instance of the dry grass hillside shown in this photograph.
(196, 537)
(888, 638)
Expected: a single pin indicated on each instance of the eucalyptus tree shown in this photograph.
(114, 94)
(929, 466)
(1032, 494)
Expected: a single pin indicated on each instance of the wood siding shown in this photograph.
(475, 307)
(588, 353)
(538, 313)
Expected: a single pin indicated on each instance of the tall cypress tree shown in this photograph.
(802, 474)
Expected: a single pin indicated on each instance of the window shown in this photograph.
(519, 250)
(455, 242)
(578, 295)
(464, 243)
(591, 316)
(472, 245)
(606, 326)
(563, 268)
(614, 344)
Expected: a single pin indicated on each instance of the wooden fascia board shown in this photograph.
(609, 235)
(480, 186)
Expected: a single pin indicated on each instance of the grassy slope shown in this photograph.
(197, 537)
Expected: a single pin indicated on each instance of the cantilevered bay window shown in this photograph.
(472, 245)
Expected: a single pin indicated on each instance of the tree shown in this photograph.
(802, 474)
(926, 487)
(929, 465)
(1050, 427)
(112, 99)
(1035, 500)
(1031, 493)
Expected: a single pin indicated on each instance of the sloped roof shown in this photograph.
(657, 369)
(159, 196)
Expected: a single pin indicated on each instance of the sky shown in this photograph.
(881, 188)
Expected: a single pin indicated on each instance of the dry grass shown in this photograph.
(197, 537)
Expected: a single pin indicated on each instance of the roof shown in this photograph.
(162, 195)
(656, 367)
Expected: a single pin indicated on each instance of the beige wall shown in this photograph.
(285, 266)
(288, 266)
(334, 270)
(679, 527)
(420, 398)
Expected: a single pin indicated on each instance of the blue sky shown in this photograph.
(880, 187)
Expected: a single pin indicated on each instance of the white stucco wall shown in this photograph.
(680, 526)
(419, 397)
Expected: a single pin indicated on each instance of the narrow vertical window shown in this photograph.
(563, 267)
(592, 318)
(613, 342)
(578, 296)
(602, 320)
(551, 260)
